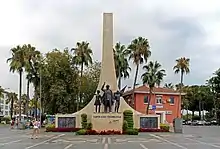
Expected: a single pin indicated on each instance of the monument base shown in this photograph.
(107, 121)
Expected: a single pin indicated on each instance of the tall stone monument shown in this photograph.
(106, 121)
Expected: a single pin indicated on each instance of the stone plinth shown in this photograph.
(107, 121)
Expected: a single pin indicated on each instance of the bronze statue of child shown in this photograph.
(97, 103)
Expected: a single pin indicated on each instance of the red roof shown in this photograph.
(145, 89)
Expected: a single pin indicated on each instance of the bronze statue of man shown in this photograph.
(97, 103)
(117, 96)
(108, 98)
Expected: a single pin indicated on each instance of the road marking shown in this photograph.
(92, 140)
(204, 143)
(68, 141)
(121, 140)
(143, 146)
(44, 141)
(69, 146)
(106, 146)
(109, 141)
(138, 141)
(165, 140)
(103, 140)
(2, 144)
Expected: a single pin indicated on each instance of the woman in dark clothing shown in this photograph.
(97, 102)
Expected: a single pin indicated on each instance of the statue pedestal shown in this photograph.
(107, 121)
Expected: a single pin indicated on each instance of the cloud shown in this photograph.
(174, 29)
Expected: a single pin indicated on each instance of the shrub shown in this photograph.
(48, 129)
(128, 116)
(81, 132)
(84, 120)
(50, 126)
(89, 126)
(165, 127)
(131, 132)
(92, 132)
(125, 125)
(6, 119)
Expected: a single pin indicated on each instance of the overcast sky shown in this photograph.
(175, 28)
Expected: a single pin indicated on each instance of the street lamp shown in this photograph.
(40, 110)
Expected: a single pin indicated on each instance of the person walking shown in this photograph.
(35, 129)
(38, 127)
(12, 124)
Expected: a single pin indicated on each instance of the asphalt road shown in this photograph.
(207, 137)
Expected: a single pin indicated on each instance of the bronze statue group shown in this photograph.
(108, 99)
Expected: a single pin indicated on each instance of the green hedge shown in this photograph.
(131, 132)
(128, 117)
(81, 132)
(128, 123)
(165, 127)
(84, 121)
(89, 126)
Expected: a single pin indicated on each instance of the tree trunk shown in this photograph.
(180, 96)
(20, 89)
(35, 100)
(28, 97)
(187, 114)
(193, 113)
(148, 105)
(135, 80)
(80, 88)
(12, 107)
(200, 115)
(119, 79)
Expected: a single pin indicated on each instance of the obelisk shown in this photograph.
(108, 65)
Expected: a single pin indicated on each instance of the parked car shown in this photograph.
(194, 122)
(214, 122)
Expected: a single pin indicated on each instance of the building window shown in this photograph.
(6, 113)
(146, 100)
(171, 101)
(159, 99)
(6, 107)
(2, 101)
(2, 107)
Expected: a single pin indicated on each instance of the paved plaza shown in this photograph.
(207, 137)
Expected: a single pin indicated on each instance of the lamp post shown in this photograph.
(40, 110)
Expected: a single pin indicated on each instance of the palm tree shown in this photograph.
(11, 98)
(1, 95)
(17, 63)
(28, 78)
(24, 103)
(169, 85)
(182, 66)
(178, 86)
(82, 57)
(153, 76)
(139, 51)
(121, 62)
(32, 68)
(2, 91)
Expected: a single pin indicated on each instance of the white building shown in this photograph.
(4, 107)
